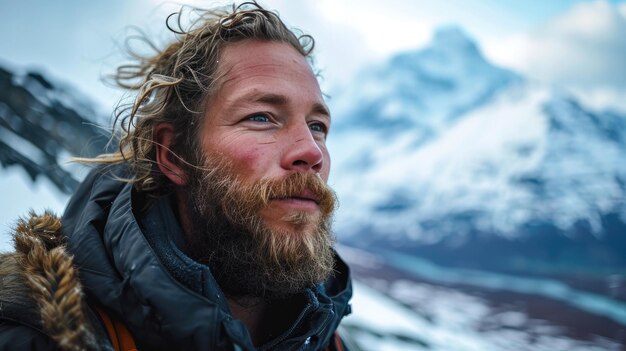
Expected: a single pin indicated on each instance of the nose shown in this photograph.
(302, 152)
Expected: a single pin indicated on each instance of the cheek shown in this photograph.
(250, 159)
(245, 153)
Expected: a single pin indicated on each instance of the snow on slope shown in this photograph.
(455, 322)
(400, 314)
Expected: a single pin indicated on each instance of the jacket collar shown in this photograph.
(130, 264)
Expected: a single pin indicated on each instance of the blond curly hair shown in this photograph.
(173, 85)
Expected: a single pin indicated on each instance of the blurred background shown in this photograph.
(479, 154)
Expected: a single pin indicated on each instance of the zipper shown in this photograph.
(286, 334)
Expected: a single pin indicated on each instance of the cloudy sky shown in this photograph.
(579, 44)
(571, 42)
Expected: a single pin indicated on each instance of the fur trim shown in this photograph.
(48, 271)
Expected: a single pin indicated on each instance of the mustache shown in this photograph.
(299, 185)
(242, 201)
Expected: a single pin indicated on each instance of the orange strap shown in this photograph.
(119, 335)
(338, 345)
(338, 342)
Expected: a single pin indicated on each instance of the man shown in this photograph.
(210, 228)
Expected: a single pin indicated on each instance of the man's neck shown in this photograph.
(253, 313)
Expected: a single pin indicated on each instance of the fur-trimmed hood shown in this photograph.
(39, 286)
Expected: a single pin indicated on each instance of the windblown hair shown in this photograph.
(174, 85)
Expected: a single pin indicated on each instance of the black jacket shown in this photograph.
(130, 265)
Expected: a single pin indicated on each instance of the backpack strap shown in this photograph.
(120, 336)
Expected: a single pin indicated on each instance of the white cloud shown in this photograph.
(584, 46)
(583, 49)
(340, 49)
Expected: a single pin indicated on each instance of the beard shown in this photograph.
(247, 257)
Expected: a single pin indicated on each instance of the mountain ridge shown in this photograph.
(43, 123)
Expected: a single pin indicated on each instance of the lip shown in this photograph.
(305, 200)
(308, 196)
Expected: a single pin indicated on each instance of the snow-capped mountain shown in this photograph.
(439, 144)
(423, 91)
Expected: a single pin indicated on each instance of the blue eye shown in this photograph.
(259, 118)
(318, 127)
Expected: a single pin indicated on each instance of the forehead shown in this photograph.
(253, 64)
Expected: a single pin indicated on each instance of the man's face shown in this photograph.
(260, 206)
(268, 119)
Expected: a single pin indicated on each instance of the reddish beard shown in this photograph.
(245, 255)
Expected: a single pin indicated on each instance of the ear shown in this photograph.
(165, 158)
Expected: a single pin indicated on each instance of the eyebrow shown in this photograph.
(277, 99)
